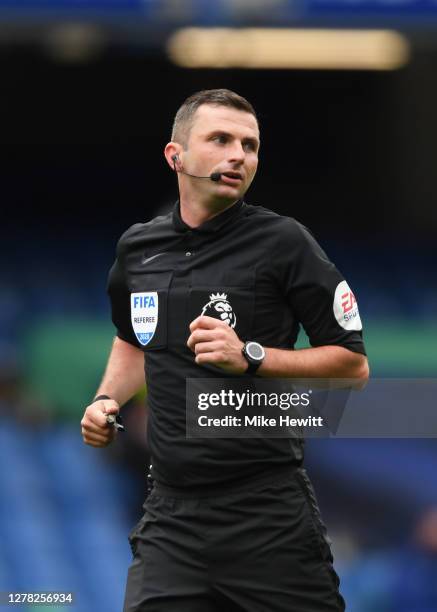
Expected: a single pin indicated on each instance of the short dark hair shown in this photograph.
(184, 118)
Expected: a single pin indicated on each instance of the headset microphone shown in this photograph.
(215, 176)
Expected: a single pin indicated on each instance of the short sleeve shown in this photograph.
(119, 295)
(319, 296)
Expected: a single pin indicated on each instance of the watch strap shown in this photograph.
(252, 367)
(101, 397)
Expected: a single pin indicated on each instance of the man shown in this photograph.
(231, 524)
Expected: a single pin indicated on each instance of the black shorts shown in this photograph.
(262, 549)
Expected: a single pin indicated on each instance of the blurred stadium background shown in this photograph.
(347, 100)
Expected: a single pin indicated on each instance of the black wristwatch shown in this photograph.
(254, 354)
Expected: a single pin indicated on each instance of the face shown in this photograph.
(223, 140)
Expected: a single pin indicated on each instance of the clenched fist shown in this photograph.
(214, 342)
(95, 429)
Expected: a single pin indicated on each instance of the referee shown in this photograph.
(218, 288)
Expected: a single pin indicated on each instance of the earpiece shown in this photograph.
(215, 176)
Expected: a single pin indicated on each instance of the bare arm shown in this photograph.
(215, 342)
(318, 362)
(124, 376)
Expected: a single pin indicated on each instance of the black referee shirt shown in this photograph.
(262, 273)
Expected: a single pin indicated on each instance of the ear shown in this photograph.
(172, 149)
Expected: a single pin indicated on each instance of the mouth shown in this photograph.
(232, 178)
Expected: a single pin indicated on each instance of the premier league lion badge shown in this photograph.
(219, 308)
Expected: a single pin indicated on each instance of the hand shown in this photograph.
(214, 342)
(95, 430)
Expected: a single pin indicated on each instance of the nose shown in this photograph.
(237, 153)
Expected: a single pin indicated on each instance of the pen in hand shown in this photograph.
(115, 421)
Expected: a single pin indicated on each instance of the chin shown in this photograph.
(231, 193)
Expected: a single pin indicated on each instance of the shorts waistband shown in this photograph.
(219, 491)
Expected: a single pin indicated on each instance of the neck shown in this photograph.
(194, 212)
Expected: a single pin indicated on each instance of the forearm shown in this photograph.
(319, 362)
(124, 374)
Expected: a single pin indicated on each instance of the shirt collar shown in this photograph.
(212, 225)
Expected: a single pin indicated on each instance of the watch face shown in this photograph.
(255, 351)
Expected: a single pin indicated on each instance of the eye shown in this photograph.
(249, 146)
(221, 138)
